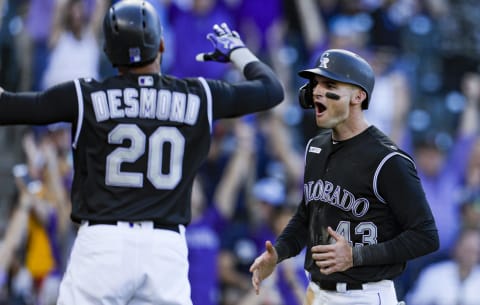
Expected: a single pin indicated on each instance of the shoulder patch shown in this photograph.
(315, 150)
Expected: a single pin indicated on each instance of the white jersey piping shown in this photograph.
(208, 92)
(377, 172)
(80, 112)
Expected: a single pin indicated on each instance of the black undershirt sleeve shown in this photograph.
(294, 237)
(57, 104)
(261, 91)
(399, 185)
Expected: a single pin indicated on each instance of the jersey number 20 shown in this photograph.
(163, 134)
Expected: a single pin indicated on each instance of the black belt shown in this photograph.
(332, 286)
(174, 228)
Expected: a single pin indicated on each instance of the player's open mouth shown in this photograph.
(320, 108)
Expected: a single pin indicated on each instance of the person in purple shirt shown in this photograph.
(38, 25)
(195, 23)
(260, 22)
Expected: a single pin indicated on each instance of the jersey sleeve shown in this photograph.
(399, 186)
(260, 91)
(57, 104)
(294, 237)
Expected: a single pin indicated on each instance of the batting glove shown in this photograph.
(224, 41)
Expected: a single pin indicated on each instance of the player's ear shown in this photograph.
(359, 96)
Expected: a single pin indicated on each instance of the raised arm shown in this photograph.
(236, 171)
(96, 19)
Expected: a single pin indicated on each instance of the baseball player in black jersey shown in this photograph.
(364, 213)
(138, 140)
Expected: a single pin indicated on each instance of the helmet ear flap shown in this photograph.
(305, 96)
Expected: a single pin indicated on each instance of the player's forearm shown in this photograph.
(48, 107)
(408, 245)
(10, 104)
(269, 86)
(261, 92)
(293, 238)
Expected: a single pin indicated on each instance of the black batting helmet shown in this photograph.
(343, 66)
(132, 33)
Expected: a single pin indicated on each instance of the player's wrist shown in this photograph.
(357, 257)
(241, 57)
(281, 251)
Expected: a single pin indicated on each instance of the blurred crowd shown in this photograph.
(426, 56)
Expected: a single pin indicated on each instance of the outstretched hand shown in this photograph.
(263, 266)
(334, 257)
(224, 41)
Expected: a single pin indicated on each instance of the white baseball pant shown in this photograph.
(127, 263)
(374, 293)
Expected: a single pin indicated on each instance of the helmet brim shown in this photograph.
(310, 73)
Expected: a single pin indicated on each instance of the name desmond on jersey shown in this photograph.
(341, 198)
(146, 103)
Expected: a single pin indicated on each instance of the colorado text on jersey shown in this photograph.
(327, 192)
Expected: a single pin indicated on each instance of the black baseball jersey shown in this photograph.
(138, 140)
(367, 190)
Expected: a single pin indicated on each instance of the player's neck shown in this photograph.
(151, 68)
(349, 129)
(148, 69)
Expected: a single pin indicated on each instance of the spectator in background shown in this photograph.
(273, 213)
(39, 26)
(195, 23)
(209, 219)
(392, 82)
(240, 244)
(444, 174)
(11, 48)
(262, 25)
(74, 42)
(277, 154)
(282, 148)
(268, 215)
(16, 284)
(454, 281)
(387, 21)
(390, 85)
(49, 215)
(459, 40)
(13, 75)
(439, 171)
(470, 211)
